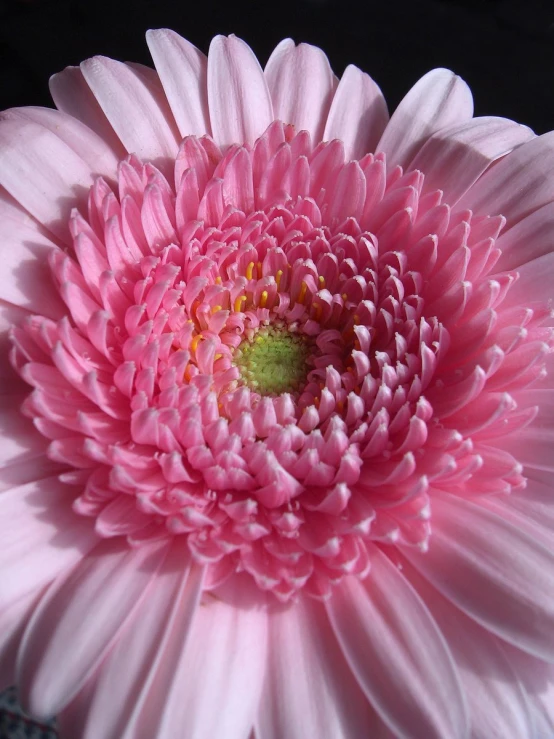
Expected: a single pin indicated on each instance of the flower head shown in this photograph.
(289, 434)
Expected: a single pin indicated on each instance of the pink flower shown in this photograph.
(285, 468)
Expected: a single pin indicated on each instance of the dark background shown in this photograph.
(503, 48)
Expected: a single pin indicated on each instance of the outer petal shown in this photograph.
(183, 71)
(10, 382)
(518, 185)
(135, 105)
(437, 100)
(358, 114)
(309, 689)
(13, 621)
(529, 239)
(84, 141)
(225, 650)
(493, 572)
(127, 679)
(73, 96)
(77, 620)
(497, 702)
(43, 173)
(41, 536)
(453, 158)
(301, 83)
(239, 101)
(25, 278)
(398, 654)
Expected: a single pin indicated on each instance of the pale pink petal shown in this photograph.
(492, 571)
(225, 649)
(73, 96)
(531, 446)
(183, 73)
(78, 619)
(119, 700)
(20, 441)
(497, 703)
(301, 83)
(437, 100)
(517, 185)
(23, 241)
(529, 239)
(13, 620)
(238, 98)
(534, 282)
(309, 689)
(537, 678)
(41, 536)
(84, 141)
(358, 114)
(10, 382)
(135, 105)
(453, 158)
(398, 655)
(42, 173)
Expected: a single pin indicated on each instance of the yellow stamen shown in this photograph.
(194, 343)
(218, 356)
(216, 308)
(317, 311)
(321, 281)
(218, 280)
(239, 303)
(344, 296)
(250, 270)
(302, 293)
(263, 299)
(278, 277)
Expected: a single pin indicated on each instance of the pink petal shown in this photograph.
(398, 654)
(529, 239)
(492, 571)
(20, 441)
(13, 620)
(453, 158)
(10, 382)
(84, 141)
(534, 282)
(135, 105)
(183, 74)
(78, 619)
(497, 703)
(41, 536)
(301, 84)
(518, 185)
(23, 241)
(437, 100)
(239, 101)
(43, 173)
(73, 96)
(358, 114)
(226, 650)
(309, 689)
(119, 700)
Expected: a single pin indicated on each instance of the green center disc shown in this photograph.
(274, 361)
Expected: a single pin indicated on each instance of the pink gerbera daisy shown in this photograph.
(284, 467)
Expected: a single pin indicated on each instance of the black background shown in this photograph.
(503, 48)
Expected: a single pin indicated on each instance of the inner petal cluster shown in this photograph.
(280, 355)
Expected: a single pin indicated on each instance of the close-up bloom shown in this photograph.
(277, 404)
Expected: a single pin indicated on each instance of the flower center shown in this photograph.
(274, 360)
